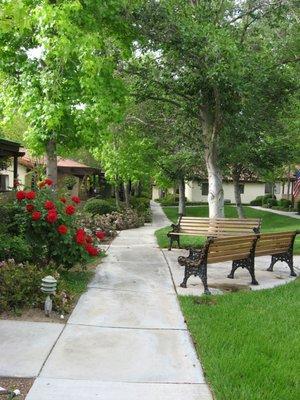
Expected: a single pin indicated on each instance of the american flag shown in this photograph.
(296, 189)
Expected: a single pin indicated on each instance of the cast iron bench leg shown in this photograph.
(285, 257)
(247, 263)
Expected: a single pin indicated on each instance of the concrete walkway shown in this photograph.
(126, 338)
(291, 214)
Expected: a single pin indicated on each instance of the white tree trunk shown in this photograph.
(51, 161)
(215, 186)
(181, 204)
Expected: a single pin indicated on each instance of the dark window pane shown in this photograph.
(268, 188)
(204, 189)
(3, 182)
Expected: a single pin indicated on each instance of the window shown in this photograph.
(204, 188)
(241, 188)
(268, 188)
(3, 182)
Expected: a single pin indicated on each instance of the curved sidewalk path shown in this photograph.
(126, 339)
(291, 214)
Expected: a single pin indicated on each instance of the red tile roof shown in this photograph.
(29, 162)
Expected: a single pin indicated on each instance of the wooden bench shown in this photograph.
(278, 245)
(214, 227)
(239, 249)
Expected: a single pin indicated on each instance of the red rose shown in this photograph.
(100, 235)
(80, 231)
(20, 195)
(51, 217)
(80, 236)
(63, 199)
(29, 207)
(30, 195)
(48, 182)
(75, 199)
(89, 239)
(36, 215)
(70, 210)
(49, 205)
(91, 250)
(62, 229)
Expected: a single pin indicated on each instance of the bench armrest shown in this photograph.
(175, 228)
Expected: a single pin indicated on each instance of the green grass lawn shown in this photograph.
(248, 342)
(270, 223)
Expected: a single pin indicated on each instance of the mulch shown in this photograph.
(23, 384)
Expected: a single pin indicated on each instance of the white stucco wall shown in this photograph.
(157, 192)
(22, 172)
(193, 191)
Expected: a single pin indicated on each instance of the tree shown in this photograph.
(14, 128)
(58, 67)
(126, 157)
(169, 132)
(209, 57)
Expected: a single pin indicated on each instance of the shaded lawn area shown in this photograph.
(270, 223)
(248, 342)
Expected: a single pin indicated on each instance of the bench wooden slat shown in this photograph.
(274, 243)
(221, 241)
(268, 252)
(204, 233)
(281, 235)
(230, 257)
(229, 247)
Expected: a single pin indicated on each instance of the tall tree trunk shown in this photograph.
(127, 194)
(137, 189)
(181, 204)
(117, 195)
(289, 183)
(51, 161)
(237, 193)
(215, 187)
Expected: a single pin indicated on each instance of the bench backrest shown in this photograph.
(195, 225)
(230, 248)
(274, 243)
(219, 226)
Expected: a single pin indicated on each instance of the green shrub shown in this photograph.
(285, 203)
(14, 247)
(141, 204)
(169, 200)
(98, 206)
(298, 207)
(261, 200)
(20, 287)
(270, 203)
(12, 219)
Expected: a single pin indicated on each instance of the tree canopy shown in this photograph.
(58, 62)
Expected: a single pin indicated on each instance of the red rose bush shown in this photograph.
(52, 230)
